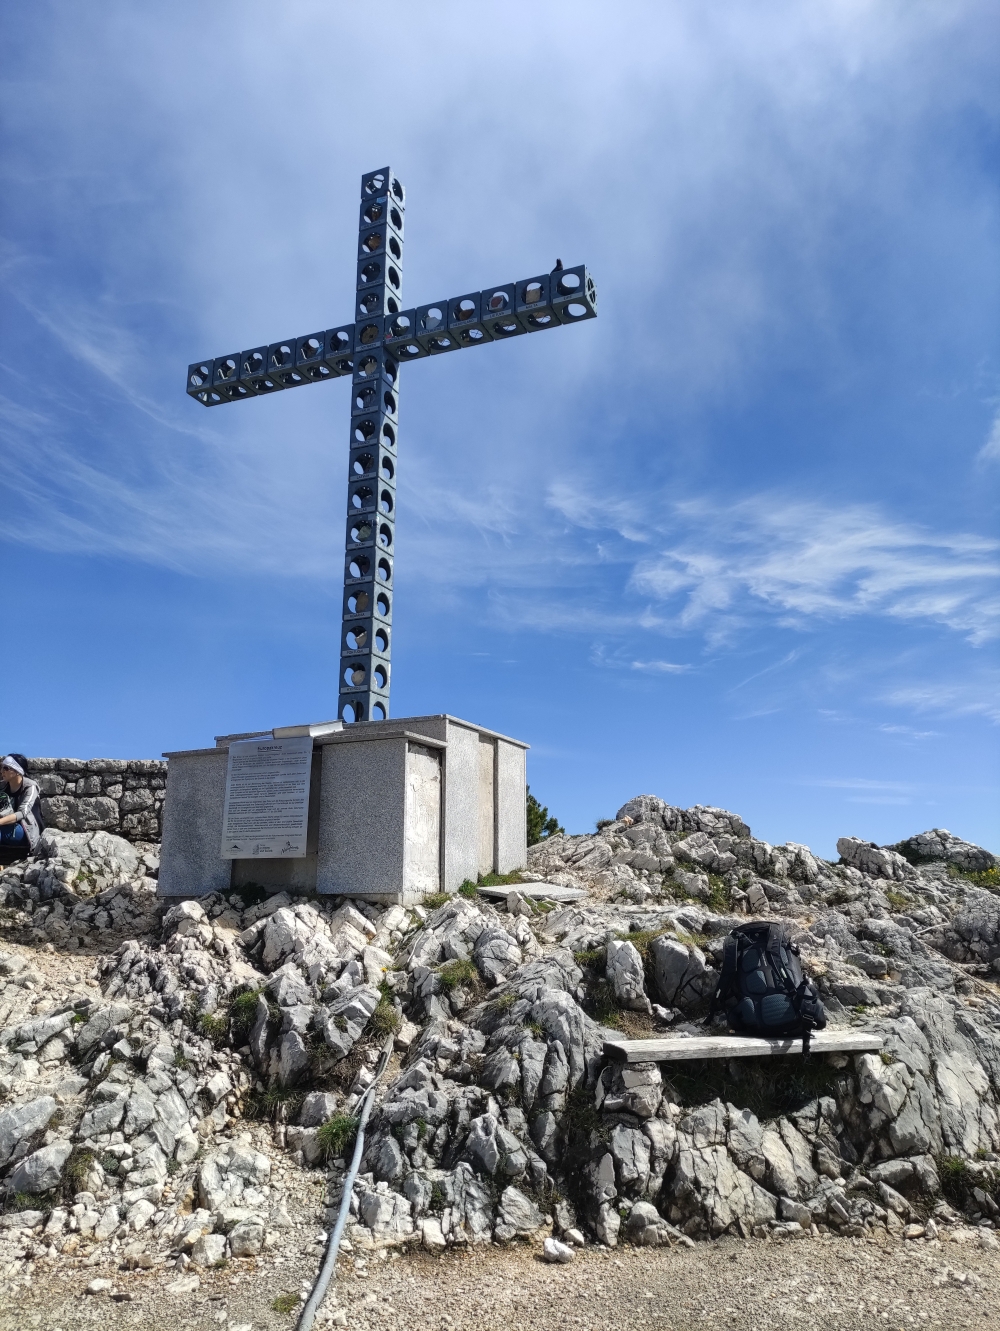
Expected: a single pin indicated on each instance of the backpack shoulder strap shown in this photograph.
(727, 975)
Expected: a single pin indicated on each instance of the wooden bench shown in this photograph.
(683, 1048)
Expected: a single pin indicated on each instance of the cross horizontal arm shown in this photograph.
(564, 296)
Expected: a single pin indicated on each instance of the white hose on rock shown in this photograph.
(333, 1245)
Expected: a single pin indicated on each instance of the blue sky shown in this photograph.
(734, 542)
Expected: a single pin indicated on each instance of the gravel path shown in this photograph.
(829, 1284)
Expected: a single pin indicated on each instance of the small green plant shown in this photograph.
(438, 1200)
(24, 1201)
(505, 1001)
(181, 1060)
(859, 1009)
(500, 879)
(110, 1163)
(897, 900)
(591, 956)
(266, 1105)
(75, 1171)
(602, 823)
(956, 1179)
(540, 825)
(215, 1027)
(886, 1058)
(172, 1166)
(385, 1020)
(434, 900)
(536, 1028)
(242, 1015)
(455, 974)
(605, 1009)
(77, 1019)
(720, 898)
(987, 878)
(337, 1135)
(468, 890)
(285, 1303)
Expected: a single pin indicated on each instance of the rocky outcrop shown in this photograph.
(135, 1108)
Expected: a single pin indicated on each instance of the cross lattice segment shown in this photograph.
(370, 351)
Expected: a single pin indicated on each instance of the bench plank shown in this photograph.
(682, 1048)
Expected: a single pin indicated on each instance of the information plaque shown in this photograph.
(267, 798)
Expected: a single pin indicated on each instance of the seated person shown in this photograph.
(20, 805)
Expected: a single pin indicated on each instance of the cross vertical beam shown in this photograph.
(366, 635)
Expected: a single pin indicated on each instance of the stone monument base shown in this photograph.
(398, 810)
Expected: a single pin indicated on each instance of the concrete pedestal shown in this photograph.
(398, 810)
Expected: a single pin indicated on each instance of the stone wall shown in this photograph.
(119, 795)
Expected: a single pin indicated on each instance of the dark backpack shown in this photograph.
(763, 989)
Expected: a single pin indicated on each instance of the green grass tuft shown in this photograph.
(75, 1171)
(242, 1015)
(897, 900)
(215, 1027)
(434, 900)
(591, 956)
(285, 1303)
(505, 1001)
(336, 1137)
(468, 890)
(455, 974)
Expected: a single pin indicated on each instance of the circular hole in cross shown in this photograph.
(396, 218)
(532, 293)
(367, 366)
(394, 248)
(392, 305)
(441, 344)
(378, 712)
(359, 566)
(227, 369)
(362, 496)
(385, 501)
(373, 213)
(568, 283)
(361, 532)
(375, 184)
(575, 310)
(394, 278)
(408, 352)
(355, 674)
(540, 320)
(388, 436)
(352, 712)
(397, 189)
(498, 302)
(389, 402)
(381, 640)
(357, 603)
(400, 326)
(369, 334)
(504, 329)
(380, 677)
(385, 536)
(253, 363)
(364, 430)
(431, 319)
(311, 348)
(464, 310)
(199, 376)
(473, 335)
(356, 637)
(384, 570)
(382, 605)
(370, 301)
(340, 341)
(364, 398)
(387, 469)
(372, 242)
(363, 464)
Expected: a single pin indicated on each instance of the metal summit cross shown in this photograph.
(370, 352)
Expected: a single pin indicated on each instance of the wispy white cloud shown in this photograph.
(660, 667)
(721, 566)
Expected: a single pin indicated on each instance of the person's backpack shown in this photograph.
(762, 986)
